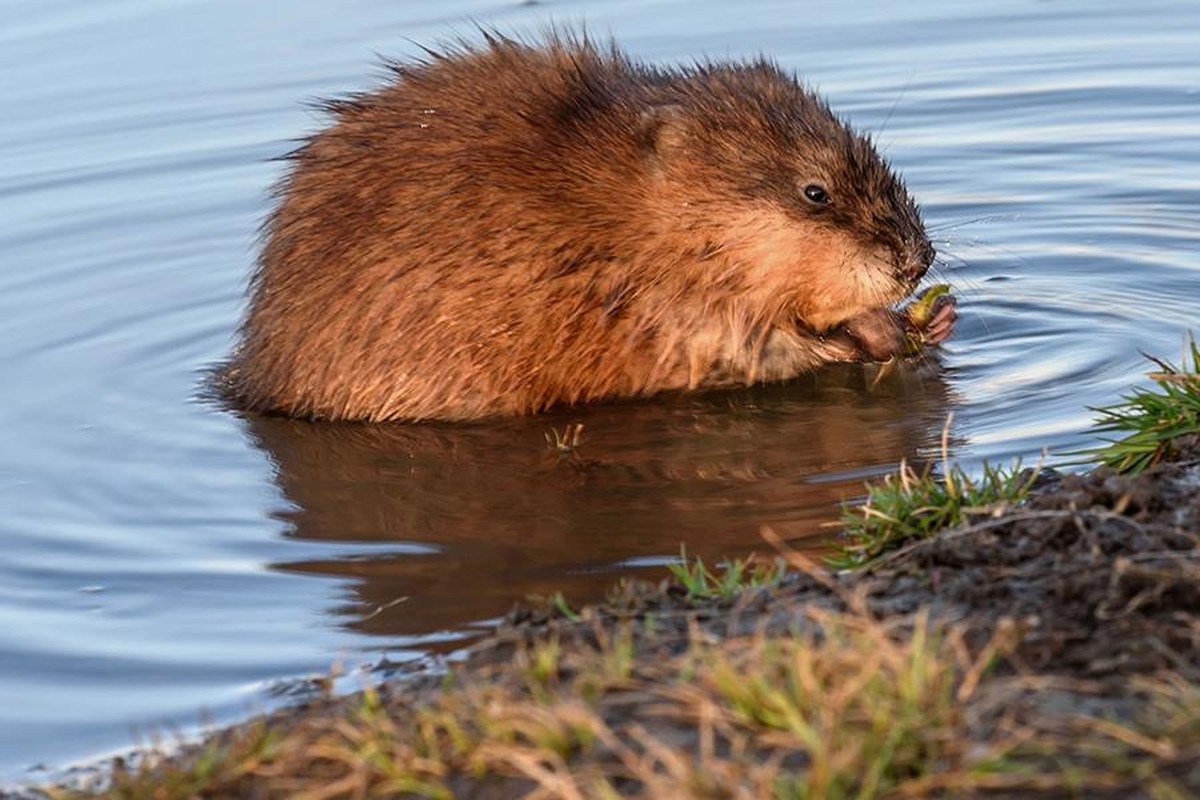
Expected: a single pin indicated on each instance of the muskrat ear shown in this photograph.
(663, 128)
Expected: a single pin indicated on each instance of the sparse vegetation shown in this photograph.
(911, 505)
(871, 714)
(734, 577)
(844, 706)
(568, 441)
(1151, 420)
(563, 607)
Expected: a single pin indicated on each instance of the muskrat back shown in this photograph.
(509, 226)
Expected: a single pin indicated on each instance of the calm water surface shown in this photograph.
(163, 557)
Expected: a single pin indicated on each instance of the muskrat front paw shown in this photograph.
(879, 333)
(882, 334)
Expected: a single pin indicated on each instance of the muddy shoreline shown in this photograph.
(1064, 637)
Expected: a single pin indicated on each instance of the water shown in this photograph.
(164, 557)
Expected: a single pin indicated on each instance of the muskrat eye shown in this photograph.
(816, 193)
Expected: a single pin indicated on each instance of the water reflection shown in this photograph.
(473, 518)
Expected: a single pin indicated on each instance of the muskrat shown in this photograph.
(509, 226)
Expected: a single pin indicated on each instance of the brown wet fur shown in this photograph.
(505, 227)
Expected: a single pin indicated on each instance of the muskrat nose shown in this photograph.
(926, 253)
(915, 259)
(918, 258)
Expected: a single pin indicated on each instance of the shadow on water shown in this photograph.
(464, 520)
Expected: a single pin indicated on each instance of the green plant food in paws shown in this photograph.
(919, 312)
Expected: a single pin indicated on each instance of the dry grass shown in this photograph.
(844, 707)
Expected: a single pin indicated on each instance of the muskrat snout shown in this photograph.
(916, 261)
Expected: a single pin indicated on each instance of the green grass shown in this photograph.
(702, 583)
(911, 505)
(1151, 419)
(560, 604)
(869, 713)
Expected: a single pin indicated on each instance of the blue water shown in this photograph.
(165, 559)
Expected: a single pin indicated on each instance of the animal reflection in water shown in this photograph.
(498, 515)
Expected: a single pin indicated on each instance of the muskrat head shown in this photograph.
(808, 221)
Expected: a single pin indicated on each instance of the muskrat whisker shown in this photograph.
(946, 261)
(949, 226)
(965, 286)
(886, 120)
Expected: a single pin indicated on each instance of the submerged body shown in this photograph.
(509, 227)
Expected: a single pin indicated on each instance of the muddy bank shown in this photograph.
(1050, 651)
(1101, 570)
